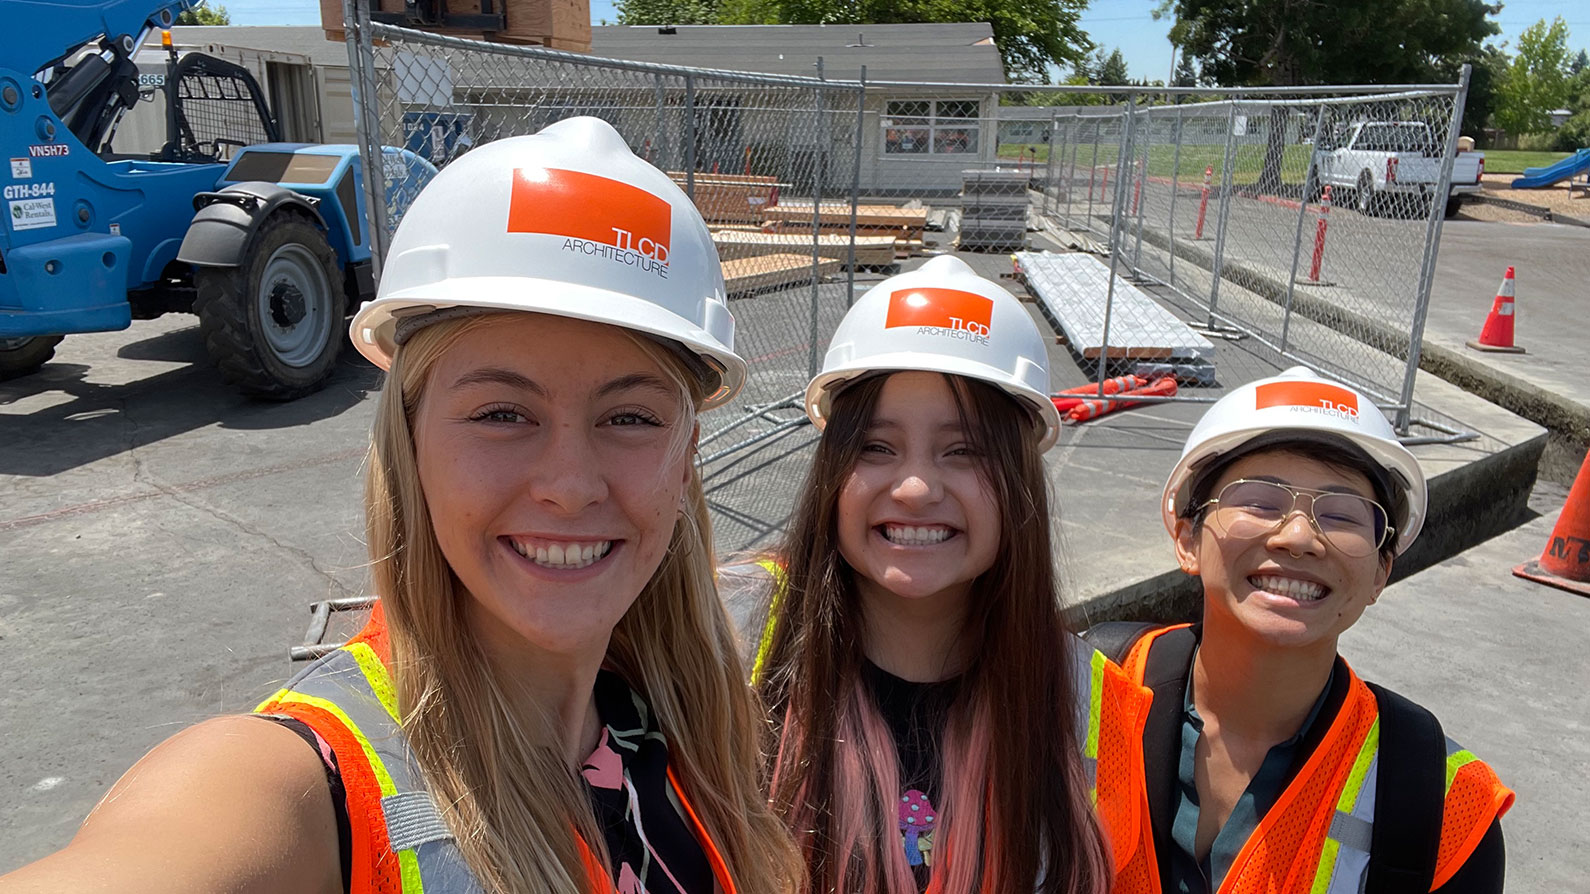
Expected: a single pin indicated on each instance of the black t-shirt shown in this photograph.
(915, 714)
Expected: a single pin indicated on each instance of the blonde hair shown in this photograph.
(515, 807)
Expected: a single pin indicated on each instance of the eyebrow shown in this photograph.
(645, 381)
(953, 427)
(494, 375)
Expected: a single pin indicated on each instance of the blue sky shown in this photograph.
(1128, 24)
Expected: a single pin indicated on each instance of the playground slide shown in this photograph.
(1536, 178)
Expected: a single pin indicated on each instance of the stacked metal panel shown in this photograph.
(993, 210)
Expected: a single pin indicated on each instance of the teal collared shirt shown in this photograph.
(1190, 875)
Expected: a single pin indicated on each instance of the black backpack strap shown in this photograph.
(1115, 638)
(1410, 791)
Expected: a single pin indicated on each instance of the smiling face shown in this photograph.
(553, 454)
(1288, 588)
(916, 519)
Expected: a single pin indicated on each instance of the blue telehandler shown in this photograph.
(267, 242)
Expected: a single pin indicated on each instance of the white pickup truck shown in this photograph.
(1378, 163)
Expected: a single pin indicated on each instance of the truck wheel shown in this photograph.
(273, 324)
(1454, 204)
(21, 356)
(1366, 201)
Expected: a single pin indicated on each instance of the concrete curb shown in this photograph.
(1539, 211)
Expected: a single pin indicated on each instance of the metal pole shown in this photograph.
(1116, 213)
(1140, 187)
(1222, 214)
(817, 220)
(1071, 177)
(1432, 247)
(1093, 172)
(1297, 236)
(367, 122)
(660, 130)
(1175, 187)
(855, 183)
(1048, 171)
(690, 136)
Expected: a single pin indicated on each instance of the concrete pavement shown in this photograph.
(1501, 662)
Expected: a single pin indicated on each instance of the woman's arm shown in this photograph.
(234, 804)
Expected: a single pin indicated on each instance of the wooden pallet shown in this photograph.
(756, 274)
(871, 251)
(835, 214)
(1071, 289)
(731, 198)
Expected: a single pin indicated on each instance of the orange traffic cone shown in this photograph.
(1566, 561)
(1497, 334)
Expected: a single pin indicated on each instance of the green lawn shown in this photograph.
(1514, 161)
(1194, 158)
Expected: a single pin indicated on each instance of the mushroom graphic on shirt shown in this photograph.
(918, 819)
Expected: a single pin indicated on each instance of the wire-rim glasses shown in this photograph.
(1249, 508)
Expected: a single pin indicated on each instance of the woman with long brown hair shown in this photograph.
(548, 697)
(928, 699)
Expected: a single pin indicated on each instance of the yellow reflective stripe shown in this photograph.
(766, 645)
(375, 674)
(1095, 704)
(1355, 779)
(1456, 761)
(1327, 867)
(260, 708)
(1345, 804)
(409, 870)
(382, 777)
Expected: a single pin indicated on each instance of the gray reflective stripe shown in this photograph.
(1353, 833)
(1090, 772)
(412, 820)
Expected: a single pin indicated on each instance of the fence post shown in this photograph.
(367, 123)
(855, 183)
(1141, 173)
(1432, 245)
(1223, 218)
(1117, 211)
(1074, 126)
(1175, 187)
(660, 129)
(690, 136)
(1093, 170)
(1048, 173)
(1297, 236)
(817, 220)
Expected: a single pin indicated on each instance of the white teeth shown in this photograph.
(909, 535)
(563, 556)
(1301, 590)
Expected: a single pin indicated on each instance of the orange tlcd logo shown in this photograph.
(1312, 395)
(941, 309)
(577, 205)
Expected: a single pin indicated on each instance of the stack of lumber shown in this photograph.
(732, 198)
(993, 210)
(871, 251)
(1072, 288)
(763, 272)
(904, 225)
(558, 24)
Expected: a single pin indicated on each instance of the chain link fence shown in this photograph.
(1158, 232)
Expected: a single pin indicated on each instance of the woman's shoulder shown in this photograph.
(235, 803)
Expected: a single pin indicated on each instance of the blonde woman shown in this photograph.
(548, 698)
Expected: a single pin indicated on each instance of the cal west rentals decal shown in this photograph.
(595, 216)
(32, 205)
(946, 312)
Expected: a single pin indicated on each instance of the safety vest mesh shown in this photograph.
(1316, 836)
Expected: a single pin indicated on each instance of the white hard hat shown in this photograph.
(941, 317)
(1299, 405)
(566, 222)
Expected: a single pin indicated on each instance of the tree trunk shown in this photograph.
(1274, 151)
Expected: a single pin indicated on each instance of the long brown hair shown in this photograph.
(1016, 814)
(514, 807)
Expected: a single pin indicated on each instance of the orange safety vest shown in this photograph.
(1316, 837)
(399, 842)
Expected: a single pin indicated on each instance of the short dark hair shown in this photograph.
(1338, 453)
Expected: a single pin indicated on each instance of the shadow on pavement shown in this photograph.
(102, 420)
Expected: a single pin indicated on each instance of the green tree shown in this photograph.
(1186, 72)
(202, 14)
(1285, 43)
(1032, 35)
(1579, 63)
(1112, 71)
(1538, 80)
(666, 12)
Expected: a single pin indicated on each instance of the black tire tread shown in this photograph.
(223, 305)
(26, 360)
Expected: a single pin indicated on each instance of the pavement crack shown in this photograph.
(302, 555)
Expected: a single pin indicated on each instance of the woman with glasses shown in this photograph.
(1264, 763)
